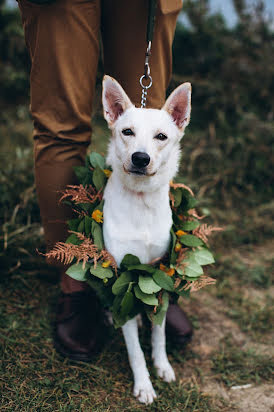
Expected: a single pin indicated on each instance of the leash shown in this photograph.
(146, 79)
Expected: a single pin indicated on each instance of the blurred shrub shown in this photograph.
(232, 125)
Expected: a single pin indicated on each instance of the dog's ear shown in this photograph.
(178, 105)
(115, 100)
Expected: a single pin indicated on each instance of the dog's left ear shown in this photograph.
(178, 105)
(115, 100)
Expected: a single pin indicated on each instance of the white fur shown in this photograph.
(137, 214)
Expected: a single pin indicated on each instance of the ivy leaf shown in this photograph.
(77, 272)
(99, 178)
(191, 225)
(101, 272)
(143, 268)
(147, 299)
(121, 284)
(193, 269)
(129, 260)
(158, 318)
(163, 280)
(96, 160)
(191, 240)
(97, 235)
(127, 303)
(147, 285)
(203, 256)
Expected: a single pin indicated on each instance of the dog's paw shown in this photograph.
(144, 392)
(166, 372)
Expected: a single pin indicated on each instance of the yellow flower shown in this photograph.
(97, 215)
(168, 271)
(106, 264)
(180, 233)
(178, 246)
(107, 172)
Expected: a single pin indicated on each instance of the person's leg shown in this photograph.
(63, 43)
(124, 25)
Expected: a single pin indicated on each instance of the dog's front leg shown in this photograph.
(159, 356)
(143, 389)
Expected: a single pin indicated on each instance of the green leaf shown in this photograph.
(73, 239)
(191, 240)
(193, 269)
(103, 291)
(77, 272)
(101, 272)
(142, 268)
(81, 226)
(97, 235)
(147, 284)
(202, 256)
(88, 223)
(73, 224)
(99, 178)
(129, 260)
(172, 252)
(158, 318)
(121, 284)
(127, 303)
(163, 280)
(177, 194)
(81, 173)
(96, 160)
(147, 299)
(191, 225)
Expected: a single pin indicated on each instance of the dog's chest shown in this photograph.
(136, 224)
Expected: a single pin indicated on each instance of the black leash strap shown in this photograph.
(146, 79)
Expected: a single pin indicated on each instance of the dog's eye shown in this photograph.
(161, 136)
(127, 132)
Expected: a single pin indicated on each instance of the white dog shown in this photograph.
(144, 154)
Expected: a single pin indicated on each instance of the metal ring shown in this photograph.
(146, 77)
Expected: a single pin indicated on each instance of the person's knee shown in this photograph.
(53, 151)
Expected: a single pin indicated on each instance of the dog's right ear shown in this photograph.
(115, 100)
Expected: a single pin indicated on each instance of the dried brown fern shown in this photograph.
(81, 194)
(204, 231)
(67, 252)
(176, 185)
(198, 284)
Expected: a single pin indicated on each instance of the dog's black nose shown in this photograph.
(140, 159)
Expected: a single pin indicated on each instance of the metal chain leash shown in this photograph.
(146, 79)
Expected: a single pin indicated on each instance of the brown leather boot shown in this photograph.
(178, 326)
(79, 327)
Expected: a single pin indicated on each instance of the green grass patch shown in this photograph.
(234, 366)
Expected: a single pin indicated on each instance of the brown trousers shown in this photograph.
(63, 39)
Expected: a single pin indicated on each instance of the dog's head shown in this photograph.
(144, 148)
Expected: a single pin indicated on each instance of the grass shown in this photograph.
(238, 367)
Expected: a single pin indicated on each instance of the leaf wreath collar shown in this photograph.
(134, 287)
